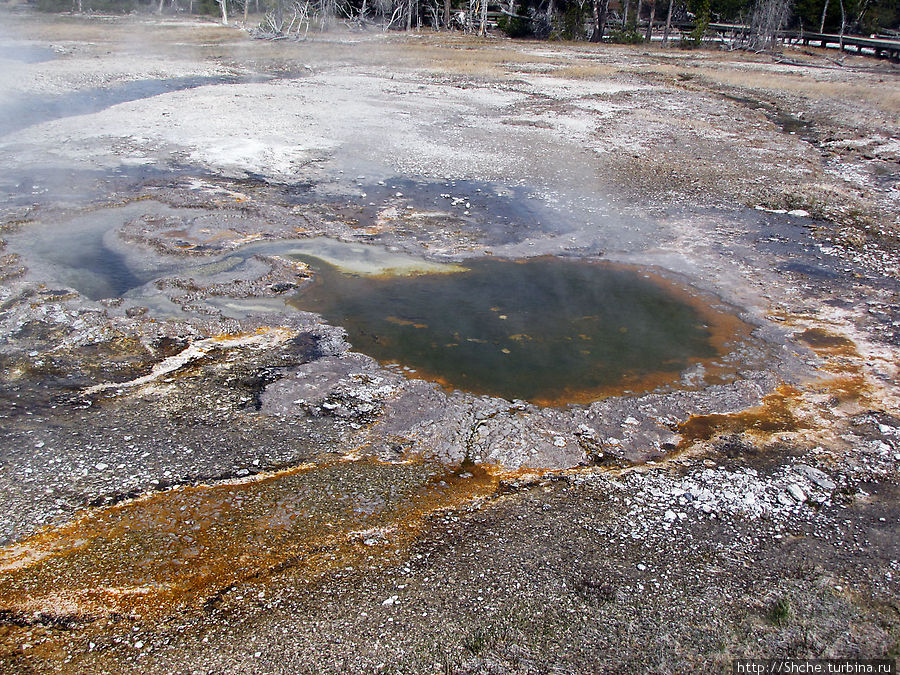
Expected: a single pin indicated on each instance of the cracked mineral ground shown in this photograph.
(425, 353)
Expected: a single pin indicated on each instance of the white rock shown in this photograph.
(796, 492)
(100, 466)
(670, 515)
(391, 601)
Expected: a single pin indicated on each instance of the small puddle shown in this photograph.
(547, 330)
(788, 123)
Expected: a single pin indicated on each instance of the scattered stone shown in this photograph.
(796, 492)
(785, 499)
(818, 477)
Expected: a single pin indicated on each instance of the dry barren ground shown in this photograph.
(197, 477)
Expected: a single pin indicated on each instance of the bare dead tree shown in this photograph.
(287, 20)
(223, 5)
(398, 12)
(433, 9)
(328, 10)
(768, 19)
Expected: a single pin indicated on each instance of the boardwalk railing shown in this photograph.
(884, 47)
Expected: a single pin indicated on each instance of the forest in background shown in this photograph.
(623, 21)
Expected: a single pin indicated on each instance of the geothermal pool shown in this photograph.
(548, 330)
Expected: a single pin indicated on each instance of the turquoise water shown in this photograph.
(547, 330)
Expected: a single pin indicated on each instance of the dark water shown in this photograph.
(546, 330)
(788, 123)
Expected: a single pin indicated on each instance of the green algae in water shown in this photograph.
(546, 330)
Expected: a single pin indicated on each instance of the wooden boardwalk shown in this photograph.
(873, 46)
(881, 47)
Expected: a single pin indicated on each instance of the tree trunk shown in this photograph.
(637, 16)
(650, 22)
(246, 10)
(860, 14)
(601, 9)
(843, 23)
(158, 11)
(824, 12)
(483, 28)
(224, 5)
(447, 13)
(409, 12)
(668, 23)
(625, 9)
